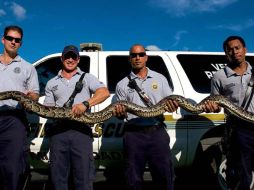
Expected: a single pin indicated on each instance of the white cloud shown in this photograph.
(185, 48)
(2, 12)
(178, 37)
(152, 48)
(183, 7)
(18, 11)
(236, 27)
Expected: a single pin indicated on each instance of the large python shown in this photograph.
(105, 114)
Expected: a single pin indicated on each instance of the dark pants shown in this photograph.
(71, 153)
(150, 146)
(240, 160)
(12, 151)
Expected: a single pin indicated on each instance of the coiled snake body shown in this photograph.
(105, 114)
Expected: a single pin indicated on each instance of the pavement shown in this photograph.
(185, 179)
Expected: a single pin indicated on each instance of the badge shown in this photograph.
(154, 86)
(17, 70)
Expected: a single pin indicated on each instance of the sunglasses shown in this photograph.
(71, 55)
(9, 38)
(141, 54)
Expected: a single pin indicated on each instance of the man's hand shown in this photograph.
(78, 109)
(120, 111)
(210, 106)
(171, 106)
(34, 96)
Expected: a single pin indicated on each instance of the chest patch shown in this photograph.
(154, 86)
(230, 85)
(17, 70)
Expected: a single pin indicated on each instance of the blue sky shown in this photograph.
(195, 25)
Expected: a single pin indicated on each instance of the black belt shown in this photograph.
(236, 122)
(143, 129)
(13, 112)
(18, 113)
(61, 126)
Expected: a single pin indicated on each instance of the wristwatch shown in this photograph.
(86, 103)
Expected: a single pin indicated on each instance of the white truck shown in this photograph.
(193, 137)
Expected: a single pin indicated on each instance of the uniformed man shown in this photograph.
(71, 150)
(232, 82)
(145, 139)
(15, 74)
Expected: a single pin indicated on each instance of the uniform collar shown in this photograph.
(16, 59)
(79, 72)
(134, 76)
(229, 72)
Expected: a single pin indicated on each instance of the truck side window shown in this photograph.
(118, 67)
(48, 69)
(156, 63)
(200, 69)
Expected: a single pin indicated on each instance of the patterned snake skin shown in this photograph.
(105, 114)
